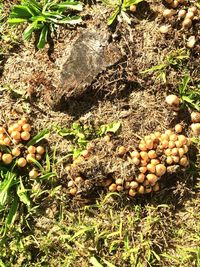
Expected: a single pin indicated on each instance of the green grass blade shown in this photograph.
(40, 136)
(95, 262)
(37, 164)
(12, 212)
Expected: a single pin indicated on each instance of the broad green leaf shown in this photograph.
(22, 12)
(40, 136)
(16, 20)
(43, 37)
(114, 15)
(95, 262)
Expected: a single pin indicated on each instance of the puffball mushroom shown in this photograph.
(33, 174)
(121, 151)
(168, 13)
(25, 136)
(73, 191)
(187, 23)
(173, 101)
(133, 8)
(195, 117)
(191, 42)
(196, 128)
(189, 15)
(178, 128)
(182, 13)
(164, 29)
(21, 162)
(113, 187)
(174, 4)
(7, 158)
(16, 152)
(160, 169)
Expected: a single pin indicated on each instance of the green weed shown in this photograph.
(43, 15)
(80, 135)
(174, 59)
(189, 95)
(120, 7)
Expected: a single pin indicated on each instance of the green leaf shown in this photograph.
(28, 31)
(47, 176)
(2, 264)
(71, 20)
(70, 5)
(128, 3)
(40, 136)
(22, 194)
(16, 20)
(12, 212)
(154, 68)
(37, 164)
(5, 186)
(22, 12)
(95, 262)
(113, 17)
(43, 37)
(112, 127)
(184, 84)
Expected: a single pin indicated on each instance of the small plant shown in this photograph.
(174, 59)
(190, 97)
(43, 15)
(80, 135)
(120, 7)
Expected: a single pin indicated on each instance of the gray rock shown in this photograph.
(88, 56)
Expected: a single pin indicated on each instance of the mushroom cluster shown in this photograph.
(155, 155)
(185, 15)
(14, 148)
